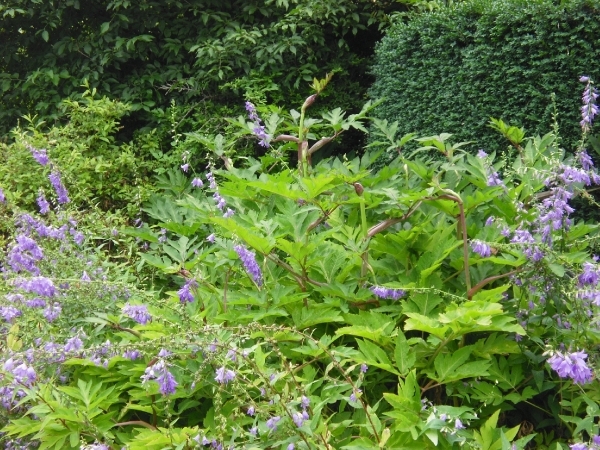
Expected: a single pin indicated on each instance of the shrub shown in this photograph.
(453, 69)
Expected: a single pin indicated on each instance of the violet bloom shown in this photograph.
(353, 397)
(230, 212)
(571, 365)
(364, 368)
(24, 255)
(131, 354)
(197, 182)
(258, 130)
(249, 260)
(291, 447)
(578, 446)
(159, 372)
(272, 423)
(9, 313)
(585, 160)
(85, 277)
(211, 179)
(494, 179)
(185, 293)
(51, 312)
(73, 344)
(298, 419)
(38, 285)
(251, 411)
(211, 238)
(589, 108)
(387, 293)
(185, 167)
(481, 248)
(481, 154)
(43, 204)
(60, 189)
(2, 196)
(39, 155)
(589, 276)
(458, 425)
(224, 376)
(139, 313)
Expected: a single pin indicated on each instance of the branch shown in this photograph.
(286, 137)
(482, 283)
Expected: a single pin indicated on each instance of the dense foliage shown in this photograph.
(194, 59)
(432, 304)
(451, 70)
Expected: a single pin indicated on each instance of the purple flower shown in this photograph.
(253, 431)
(73, 344)
(305, 402)
(589, 275)
(291, 447)
(250, 264)
(9, 313)
(298, 419)
(589, 108)
(353, 397)
(211, 179)
(585, 160)
(185, 293)
(39, 155)
(159, 372)
(36, 303)
(364, 368)
(185, 167)
(251, 411)
(481, 154)
(38, 285)
(51, 312)
(578, 446)
(258, 130)
(211, 238)
(139, 313)
(494, 179)
(458, 425)
(388, 293)
(230, 212)
(85, 277)
(131, 354)
(61, 192)
(224, 376)
(272, 423)
(220, 201)
(23, 256)
(481, 248)
(43, 204)
(197, 182)
(571, 365)
(2, 196)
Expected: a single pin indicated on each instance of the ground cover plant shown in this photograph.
(434, 303)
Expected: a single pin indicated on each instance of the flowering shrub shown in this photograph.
(430, 304)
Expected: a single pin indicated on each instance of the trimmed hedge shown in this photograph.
(453, 69)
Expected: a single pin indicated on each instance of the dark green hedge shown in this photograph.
(453, 69)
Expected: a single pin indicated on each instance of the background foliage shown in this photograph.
(452, 69)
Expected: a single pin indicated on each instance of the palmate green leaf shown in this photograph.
(495, 344)
(420, 322)
(375, 356)
(454, 366)
(316, 313)
(406, 404)
(313, 187)
(262, 244)
(283, 188)
(405, 358)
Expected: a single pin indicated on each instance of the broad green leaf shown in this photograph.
(405, 358)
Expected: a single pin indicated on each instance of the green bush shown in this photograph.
(453, 69)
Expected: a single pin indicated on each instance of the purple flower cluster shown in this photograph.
(219, 200)
(21, 375)
(589, 108)
(2, 196)
(60, 189)
(185, 293)
(159, 372)
(387, 293)
(273, 422)
(38, 285)
(139, 313)
(24, 255)
(258, 130)
(571, 365)
(39, 155)
(43, 204)
(300, 417)
(249, 260)
(27, 224)
(224, 375)
(197, 182)
(481, 248)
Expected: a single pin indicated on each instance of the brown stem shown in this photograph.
(482, 283)
(322, 142)
(286, 137)
(389, 222)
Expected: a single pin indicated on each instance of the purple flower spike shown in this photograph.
(589, 108)
(481, 248)
(185, 293)
(39, 155)
(60, 189)
(249, 260)
(571, 365)
(139, 313)
(388, 293)
(159, 372)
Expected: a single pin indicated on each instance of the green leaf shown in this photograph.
(405, 358)
(375, 356)
(45, 35)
